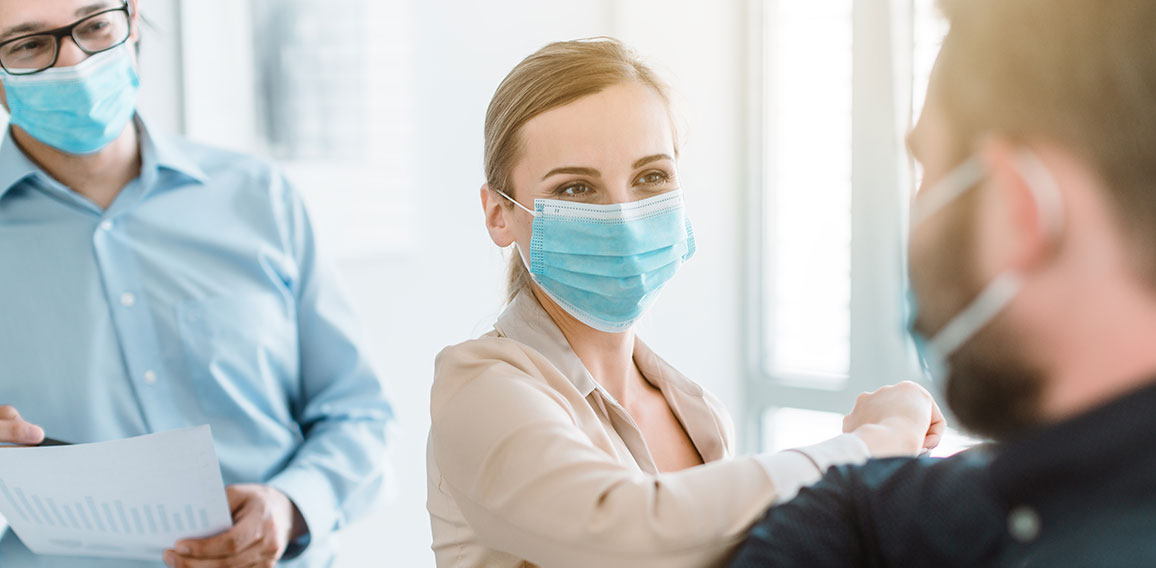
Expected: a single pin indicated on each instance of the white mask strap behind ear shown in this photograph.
(1000, 292)
(1045, 190)
(515, 202)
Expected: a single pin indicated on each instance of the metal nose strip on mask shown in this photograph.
(78, 71)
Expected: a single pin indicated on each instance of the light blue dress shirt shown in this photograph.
(197, 297)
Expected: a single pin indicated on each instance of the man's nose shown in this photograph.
(70, 54)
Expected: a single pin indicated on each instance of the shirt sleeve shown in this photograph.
(797, 468)
(532, 484)
(890, 512)
(338, 471)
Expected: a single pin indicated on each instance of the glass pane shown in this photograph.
(786, 428)
(930, 28)
(809, 189)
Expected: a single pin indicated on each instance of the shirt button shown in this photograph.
(106, 225)
(127, 299)
(150, 377)
(1024, 524)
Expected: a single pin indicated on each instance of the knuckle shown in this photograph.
(7, 411)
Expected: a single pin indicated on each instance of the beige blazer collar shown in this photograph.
(526, 322)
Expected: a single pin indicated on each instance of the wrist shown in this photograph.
(888, 440)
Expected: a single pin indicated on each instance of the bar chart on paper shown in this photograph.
(128, 499)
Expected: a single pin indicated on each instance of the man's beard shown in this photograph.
(992, 390)
(991, 387)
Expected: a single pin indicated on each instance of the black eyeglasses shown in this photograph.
(95, 33)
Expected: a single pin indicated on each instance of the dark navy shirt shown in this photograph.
(1081, 493)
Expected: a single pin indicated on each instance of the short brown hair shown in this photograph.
(1080, 73)
(554, 76)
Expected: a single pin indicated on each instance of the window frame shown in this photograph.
(882, 39)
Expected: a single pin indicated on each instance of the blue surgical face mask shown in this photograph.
(79, 109)
(934, 352)
(606, 264)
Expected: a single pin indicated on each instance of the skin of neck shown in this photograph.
(1096, 347)
(99, 176)
(1088, 319)
(608, 356)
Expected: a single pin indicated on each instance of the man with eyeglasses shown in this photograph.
(149, 284)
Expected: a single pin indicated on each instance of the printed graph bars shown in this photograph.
(110, 517)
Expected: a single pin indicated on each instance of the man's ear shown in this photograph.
(1026, 201)
(495, 208)
(135, 21)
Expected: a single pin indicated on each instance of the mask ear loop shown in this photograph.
(517, 247)
(957, 182)
(1045, 190)
(515, 202)
(997, 295)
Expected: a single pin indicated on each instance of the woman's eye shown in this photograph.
(654, 178)
(574, 190)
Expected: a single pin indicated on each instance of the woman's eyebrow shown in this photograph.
(649, 159)
(573, 170)
(595, 173)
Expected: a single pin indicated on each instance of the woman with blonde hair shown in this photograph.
(560, 438)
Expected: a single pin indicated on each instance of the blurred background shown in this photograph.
(794, 113)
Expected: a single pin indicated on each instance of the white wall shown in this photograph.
(451, 288)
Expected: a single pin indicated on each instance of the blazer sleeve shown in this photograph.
(532, 484)
(890, 512)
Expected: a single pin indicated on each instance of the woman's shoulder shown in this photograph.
(490, 366)
(490, 349)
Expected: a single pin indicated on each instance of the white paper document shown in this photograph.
(130, 498)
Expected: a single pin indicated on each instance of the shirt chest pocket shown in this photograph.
(242, 353)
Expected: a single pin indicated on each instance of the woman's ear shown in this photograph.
(495, 208)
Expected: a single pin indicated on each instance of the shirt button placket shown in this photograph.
(132, 319)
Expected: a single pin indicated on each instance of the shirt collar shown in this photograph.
(1073, 455)
(157, 152)
(15, 167)
(526, 322)
(162, 152)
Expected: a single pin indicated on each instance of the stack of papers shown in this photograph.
(130, 498)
